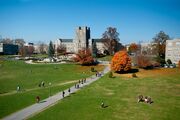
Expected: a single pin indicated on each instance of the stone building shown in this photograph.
(173, 50)
(82, 40)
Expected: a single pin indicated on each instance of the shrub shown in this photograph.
(169, 61)
(110, 74)
(92, 69)
(121, 62)
(84, 57)
(144, 62)
(134, 75)
(156, 64)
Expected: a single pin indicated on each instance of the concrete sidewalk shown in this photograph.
(38, 107)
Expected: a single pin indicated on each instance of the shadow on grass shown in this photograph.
(43, 101)
(129, 71)
(105, 106)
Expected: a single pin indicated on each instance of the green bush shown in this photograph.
(110, 74)
(169, 61)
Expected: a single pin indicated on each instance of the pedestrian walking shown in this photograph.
(75, 85)
(37, 99)
(63, 93)
(42, 83)
(69, 90)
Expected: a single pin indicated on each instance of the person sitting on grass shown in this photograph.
(18, 88)
(149, 100)
(146, 99)
(102, 104)
(140, 98)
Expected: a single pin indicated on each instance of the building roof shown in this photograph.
(66, 40)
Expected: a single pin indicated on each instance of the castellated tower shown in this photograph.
(82, 37)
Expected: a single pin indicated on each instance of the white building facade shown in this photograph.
(173, 50)
(82, 40)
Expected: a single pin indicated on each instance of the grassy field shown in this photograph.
(105, 58)
(120, 96)
(13, 73)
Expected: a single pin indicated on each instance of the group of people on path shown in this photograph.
(77, 86)
(63, 92)
(80, 83)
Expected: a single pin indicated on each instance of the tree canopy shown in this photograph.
(160, 40)
(51, 50)
(111, 39)
(84, 57)
(121, 62)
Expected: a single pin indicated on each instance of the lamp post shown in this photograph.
(49, 89)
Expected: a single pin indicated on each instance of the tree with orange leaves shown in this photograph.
(133, 47)
(121, 62)
(84, 57)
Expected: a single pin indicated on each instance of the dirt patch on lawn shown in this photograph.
(88, 68)
(151, 73)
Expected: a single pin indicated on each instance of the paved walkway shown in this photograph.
(38, 107)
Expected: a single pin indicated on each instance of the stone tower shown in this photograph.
(82, 36)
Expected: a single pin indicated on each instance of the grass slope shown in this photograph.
(120, 95)
(13, 73)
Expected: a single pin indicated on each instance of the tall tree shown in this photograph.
(111, 39)
(61, 49)
(51, 50)
(160, 40)
(42, 47)
(20, 42)
(7, 41)
(133, 48)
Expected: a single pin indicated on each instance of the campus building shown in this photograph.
(82, 40)
(8, 49)
(173, 50)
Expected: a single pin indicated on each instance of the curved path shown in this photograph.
(38, 107)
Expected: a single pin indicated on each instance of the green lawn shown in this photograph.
(120, 95)
(105, 58)
(13, 73)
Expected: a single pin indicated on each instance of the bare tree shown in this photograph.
(42, 47)
(7, 41)
(61, 49)
(20, 42)
(111, 39)
(160, 40)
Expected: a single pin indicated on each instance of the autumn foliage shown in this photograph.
(144, 62)
(84, 57)
(121, 62)
(133, 47)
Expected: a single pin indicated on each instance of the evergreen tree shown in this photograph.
(94, 49)
(51, 50)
